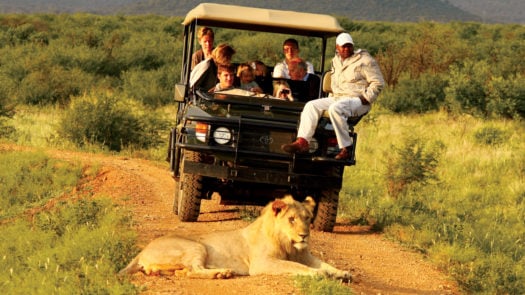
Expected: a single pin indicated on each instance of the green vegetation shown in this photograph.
(31, 179)
(70, 246)
(440, 158)
(451, 187)
(320, 286)
(113, 122)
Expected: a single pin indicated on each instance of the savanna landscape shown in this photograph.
(435, 204)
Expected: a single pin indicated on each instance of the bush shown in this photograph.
(113, 122)
(506, 96)
(414, 163)
(465, 91)
(415, 95)
(152, 88)
(490, 136)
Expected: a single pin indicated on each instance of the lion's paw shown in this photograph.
(344, 276)
(224, 274)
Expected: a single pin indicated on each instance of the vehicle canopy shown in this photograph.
(265, 20)
(255, 19)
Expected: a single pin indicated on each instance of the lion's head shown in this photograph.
(288, 221)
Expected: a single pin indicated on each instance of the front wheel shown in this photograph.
(326, 210)
(188, 191)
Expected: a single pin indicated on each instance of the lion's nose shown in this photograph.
(303, 236)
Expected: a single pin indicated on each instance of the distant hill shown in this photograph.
(502, 11)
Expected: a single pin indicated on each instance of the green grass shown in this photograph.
(37, 126)
(469, 217)
(320, 286)
(30, 179)
(73, 247)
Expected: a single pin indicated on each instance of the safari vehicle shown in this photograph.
(230, 142)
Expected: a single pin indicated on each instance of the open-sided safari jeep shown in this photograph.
(230, 142)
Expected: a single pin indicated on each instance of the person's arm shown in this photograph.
(375, 81)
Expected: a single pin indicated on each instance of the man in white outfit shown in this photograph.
(356, 83)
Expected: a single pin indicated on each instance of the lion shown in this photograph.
(276, 243)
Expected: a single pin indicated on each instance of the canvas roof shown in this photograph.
(266, 20)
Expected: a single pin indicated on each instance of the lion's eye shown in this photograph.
(291, 219)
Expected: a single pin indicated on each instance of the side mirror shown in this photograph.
(180, 92)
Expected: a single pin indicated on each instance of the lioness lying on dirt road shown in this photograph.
(275, 243)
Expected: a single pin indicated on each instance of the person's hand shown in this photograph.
(284, 93)
(256, 90)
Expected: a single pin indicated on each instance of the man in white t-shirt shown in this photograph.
(291, 51)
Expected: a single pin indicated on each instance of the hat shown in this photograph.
(343, 39)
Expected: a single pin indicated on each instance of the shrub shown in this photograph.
(152, 88)
(506, 96)
(465, 91)
(7, 89)
(490, 136)
(415, 95)
(52, 85)
(414, 163)
(112, 122)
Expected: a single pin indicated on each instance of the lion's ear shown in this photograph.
(277, 206)
(309, 203)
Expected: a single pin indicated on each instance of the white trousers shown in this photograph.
(339, 109)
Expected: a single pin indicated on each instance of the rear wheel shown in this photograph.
(188, 191)
(326, 210)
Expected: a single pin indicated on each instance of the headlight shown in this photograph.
(222, 135)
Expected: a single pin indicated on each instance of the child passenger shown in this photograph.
(226, 77)
(262, 76)
(246, 77)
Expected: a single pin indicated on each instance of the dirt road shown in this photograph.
(378, 266)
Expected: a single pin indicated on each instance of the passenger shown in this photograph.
(226, 77)
(290, 50)
(205, 37)
(356, 84)
(246, 77)
(204, 75)
(302, 86)
(281, 89)
(262, 76)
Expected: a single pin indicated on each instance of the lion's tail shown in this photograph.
(131, 268)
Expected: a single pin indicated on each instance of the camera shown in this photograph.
(285, 91)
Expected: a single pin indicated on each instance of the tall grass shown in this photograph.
(73, 247)
(469, 217)
(31, 179)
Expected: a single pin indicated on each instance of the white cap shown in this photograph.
(344, 38)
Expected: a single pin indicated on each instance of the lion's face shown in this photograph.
(293, 220)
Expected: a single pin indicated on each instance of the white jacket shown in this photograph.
(357, 75)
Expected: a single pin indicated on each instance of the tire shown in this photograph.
(189, 191)
(326, 210)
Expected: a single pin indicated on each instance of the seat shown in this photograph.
(326, 83)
